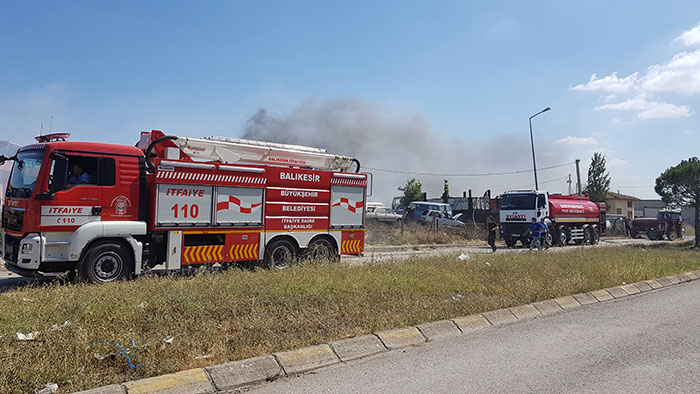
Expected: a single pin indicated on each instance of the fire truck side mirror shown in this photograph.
(60, 174)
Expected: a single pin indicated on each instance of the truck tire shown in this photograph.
(588, 236)
(633, 234)
(280, 254)
(672, 236)
(595, 236)
(106, 261)
(562, 237)
(510, 242)
(321, 249)
(653, 235)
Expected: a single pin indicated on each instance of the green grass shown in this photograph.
(418, 234)
(238, 314)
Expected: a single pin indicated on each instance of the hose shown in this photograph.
(149, 165)
(358, 165)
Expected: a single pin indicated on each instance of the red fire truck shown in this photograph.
(109, 211)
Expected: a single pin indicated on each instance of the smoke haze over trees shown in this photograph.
(385, 138)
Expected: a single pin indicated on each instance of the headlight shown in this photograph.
(27, 248)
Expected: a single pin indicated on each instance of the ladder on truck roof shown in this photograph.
(235, 150)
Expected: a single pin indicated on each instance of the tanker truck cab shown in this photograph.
(74, 206)
(517, 210)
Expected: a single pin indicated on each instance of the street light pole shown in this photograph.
(532, 144)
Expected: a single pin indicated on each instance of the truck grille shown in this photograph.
(11, 248)
(12, 219)
(514, 228)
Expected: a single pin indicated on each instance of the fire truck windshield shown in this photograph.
(24, 174)
(519, 201)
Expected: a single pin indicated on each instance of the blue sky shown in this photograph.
(475, 70)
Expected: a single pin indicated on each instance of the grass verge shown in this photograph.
(418, 234)
(238, 314)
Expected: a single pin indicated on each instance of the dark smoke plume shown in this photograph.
(380, 138)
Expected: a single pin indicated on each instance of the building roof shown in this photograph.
(619, 196)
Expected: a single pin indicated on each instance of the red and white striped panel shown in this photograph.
(349, 182)
(213, 178)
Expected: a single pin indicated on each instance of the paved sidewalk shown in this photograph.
(646, 343)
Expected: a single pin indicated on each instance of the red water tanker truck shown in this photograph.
(569, 217)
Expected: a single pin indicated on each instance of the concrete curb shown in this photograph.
(246, 372)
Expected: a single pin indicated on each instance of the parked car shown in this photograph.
(384, 215)
(371, 206)
(443, 219)
(416, 209)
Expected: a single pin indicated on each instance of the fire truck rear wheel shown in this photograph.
(280, 254)
(322, 249)
(106, 262)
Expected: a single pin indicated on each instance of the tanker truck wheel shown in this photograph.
(105, 262)
(510, 242)
(595, 236)
(587, 236)
(562, 238)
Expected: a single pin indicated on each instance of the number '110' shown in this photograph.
(192, 210)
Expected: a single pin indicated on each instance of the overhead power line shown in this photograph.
(561, 178)
(466, 174)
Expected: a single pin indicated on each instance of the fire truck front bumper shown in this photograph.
(22, 253)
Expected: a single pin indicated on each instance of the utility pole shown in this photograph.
(569, 182)
(578, 177)
(532, 144)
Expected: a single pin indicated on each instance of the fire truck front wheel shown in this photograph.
(106, 261)
(280, 254)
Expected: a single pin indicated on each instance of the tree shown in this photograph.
(680, 186)
(598, 183)
(413, 191)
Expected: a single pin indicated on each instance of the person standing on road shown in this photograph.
(491, 227)
(543, 234)
(535, 230)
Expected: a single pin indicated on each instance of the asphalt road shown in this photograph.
(649, 343)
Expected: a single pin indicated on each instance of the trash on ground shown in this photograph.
(27, 337)
(25, 299)
(488, 264)
(203, 357)
(464, 257)
(168, 340)
(104, 356)
(48, 389)
(57, 327)
(124, 352)
(457, 297)
(143, 305)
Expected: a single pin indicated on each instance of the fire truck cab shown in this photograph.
(108, 211)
